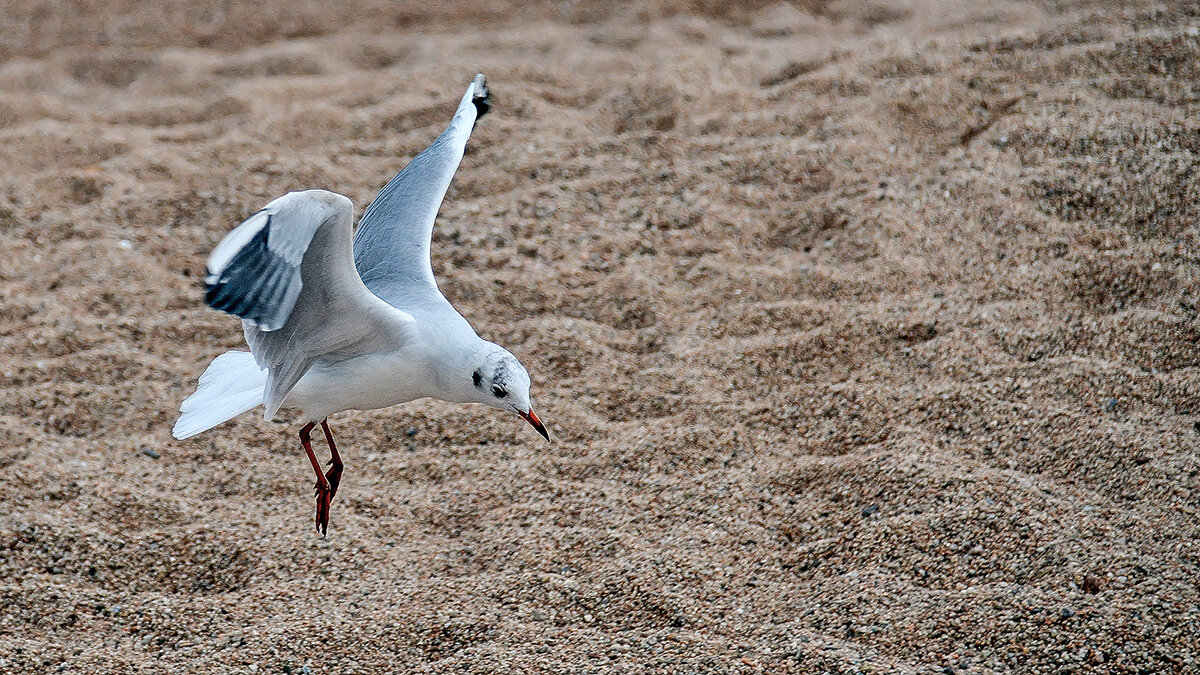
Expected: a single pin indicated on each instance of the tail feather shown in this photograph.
(232, 384)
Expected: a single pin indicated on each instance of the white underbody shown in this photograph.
(234, 383)
(366, 382)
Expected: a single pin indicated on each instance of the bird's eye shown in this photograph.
(498, 391)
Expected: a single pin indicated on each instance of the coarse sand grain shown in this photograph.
(867, 333)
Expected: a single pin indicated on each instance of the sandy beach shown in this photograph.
(866, 332)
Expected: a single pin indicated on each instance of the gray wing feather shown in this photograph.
(391, 246)
(288, 272)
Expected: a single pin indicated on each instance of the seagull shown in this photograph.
(339, 321)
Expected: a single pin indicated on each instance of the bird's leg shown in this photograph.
(324, 494)
(334, 475)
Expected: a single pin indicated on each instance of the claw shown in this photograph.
(323, 497)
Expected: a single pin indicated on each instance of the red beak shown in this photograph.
(532, 418)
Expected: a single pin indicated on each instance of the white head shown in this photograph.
(498, 379)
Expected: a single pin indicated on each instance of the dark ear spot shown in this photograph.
(477, 377)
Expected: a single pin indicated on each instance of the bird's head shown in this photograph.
(499, 380)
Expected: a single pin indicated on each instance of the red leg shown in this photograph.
(334, 475)
(324, 494)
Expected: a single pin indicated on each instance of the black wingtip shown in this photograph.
(482, 97)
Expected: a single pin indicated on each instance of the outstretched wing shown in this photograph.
(391, 247)
(288, 272)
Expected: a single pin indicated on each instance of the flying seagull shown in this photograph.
(337, 321)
